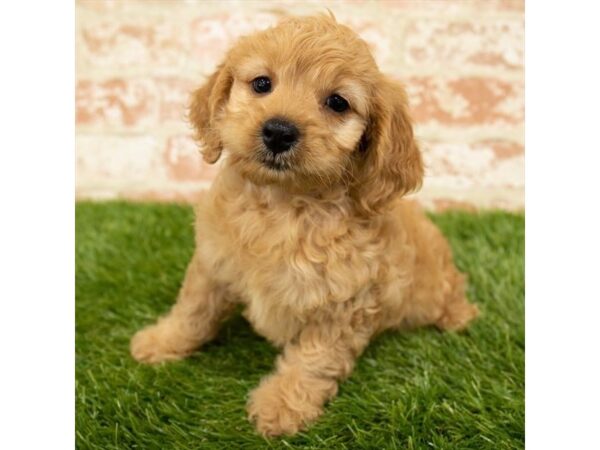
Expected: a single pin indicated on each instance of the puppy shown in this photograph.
(305, 225)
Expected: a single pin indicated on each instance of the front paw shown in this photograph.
(155, 344)
(280, 406)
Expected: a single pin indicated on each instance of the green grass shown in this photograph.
(421, 389)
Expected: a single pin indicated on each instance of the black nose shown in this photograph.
(279, 135)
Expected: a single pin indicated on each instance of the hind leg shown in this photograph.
(444, 305)
(437, 293)
(437, 297)
(457, 312)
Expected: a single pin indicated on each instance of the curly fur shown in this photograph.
(325, 255)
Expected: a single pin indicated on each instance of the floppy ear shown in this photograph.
(390, 163)
(205, 107)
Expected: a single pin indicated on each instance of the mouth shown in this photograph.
(276, 162)
(275, 165)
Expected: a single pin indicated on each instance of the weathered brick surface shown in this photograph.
(138, 60)
(126, 42)
(123, 159)
(174, 95)
(474, 165)
(467, 100)
(212, 35)
(129, 103)
(183, 162)
(459, 43)
(116, 102)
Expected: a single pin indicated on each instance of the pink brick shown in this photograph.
(466, 101)
(174, 94)
(455, 6)
(211, 36)
(469, 165)
(183, 161)
(119, 43)
(457, 43)
(133, 102)
(118, 159)
(505, 149)
(100, 6)
(116, 103)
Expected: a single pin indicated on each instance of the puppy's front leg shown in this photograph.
(195, 318)
(307, 376)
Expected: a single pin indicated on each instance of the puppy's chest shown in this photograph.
(290, 242)
(285, 258)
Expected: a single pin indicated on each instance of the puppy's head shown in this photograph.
(304, 105)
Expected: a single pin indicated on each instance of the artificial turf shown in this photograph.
(418, 389)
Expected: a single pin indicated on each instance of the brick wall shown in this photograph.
(136, 61)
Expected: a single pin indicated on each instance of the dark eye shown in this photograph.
(337, 103)
(261, 85)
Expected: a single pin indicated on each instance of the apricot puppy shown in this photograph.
(305, 225)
